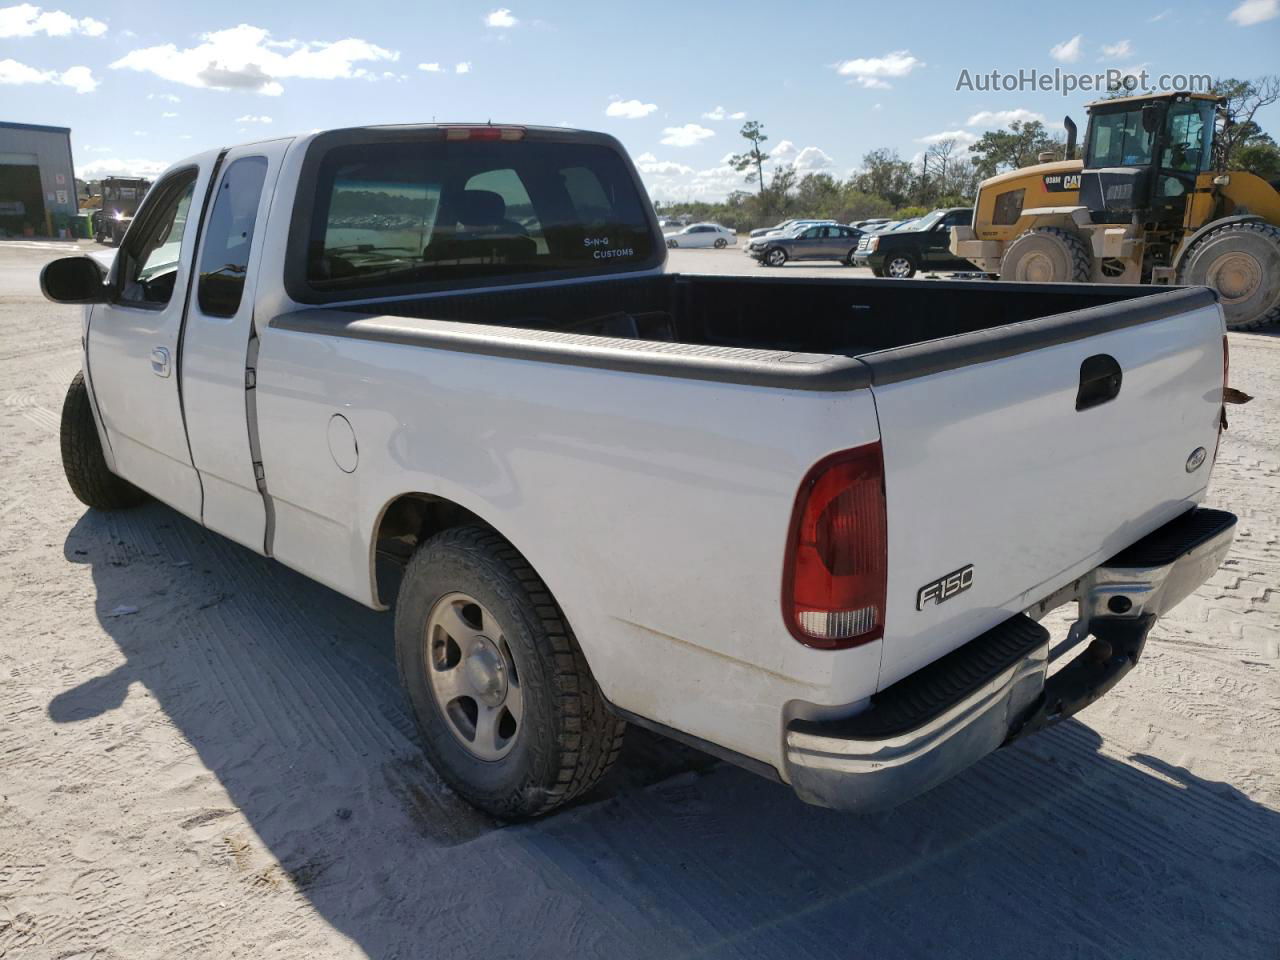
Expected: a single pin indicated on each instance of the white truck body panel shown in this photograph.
(991, 465)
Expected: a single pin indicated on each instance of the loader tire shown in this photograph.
(86, 468)
(1241, 262)
(1048, 255)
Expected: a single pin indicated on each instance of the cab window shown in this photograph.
(1008, 207)
(152, 251)
(1189, 138)
(1118, 140)
(229, 237)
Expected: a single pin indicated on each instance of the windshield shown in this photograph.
(927, 222)
(412, 212)
(1118, 140)
(1188, 146)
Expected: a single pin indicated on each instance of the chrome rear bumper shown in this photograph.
(995, 689)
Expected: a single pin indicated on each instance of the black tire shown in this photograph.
(848, 260)
(86, 468)
(567, 738)
(1241, 261)
(1048, 255)
(721, 243)
(672, 244)
(775, 257)
(900, 266)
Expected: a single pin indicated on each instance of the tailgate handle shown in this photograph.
(1100, 378)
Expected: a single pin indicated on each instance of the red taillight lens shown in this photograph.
(833, 590)
(484, 133)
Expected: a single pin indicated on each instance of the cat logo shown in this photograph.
(1061, 182)
(944, 588)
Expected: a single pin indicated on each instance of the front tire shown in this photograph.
(776, 257)
(90, 479)
(1241, 261)
(900, 266)
(1047, 255)
(721, 243)
(672, 244)
(510, 714)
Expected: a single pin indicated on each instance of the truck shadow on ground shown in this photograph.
(288, 693)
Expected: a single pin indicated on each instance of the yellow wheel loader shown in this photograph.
(1145, 204)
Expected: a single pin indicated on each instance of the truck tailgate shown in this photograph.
(999, 490)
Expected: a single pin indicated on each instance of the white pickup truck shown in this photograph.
(808, 525)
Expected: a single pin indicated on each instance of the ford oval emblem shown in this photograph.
(1196, 458)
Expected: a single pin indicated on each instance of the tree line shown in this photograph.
(946, 174)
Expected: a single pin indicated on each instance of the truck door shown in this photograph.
(133, 340)
(218, 341)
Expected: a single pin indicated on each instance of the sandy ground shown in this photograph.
(232, 771)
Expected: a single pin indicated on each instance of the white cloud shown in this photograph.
(430, 67)
(629, 109)
(685, 136)
(1114, 51)
(871, 72)
(719, 113)
(164, 96)
(26, 20)
(1254, 11)
(500, 18)
(810, 159)
(1068, 51)
(877, 106)
(960, 136)
(167, 115)
(648, 163)
(462, 67)
(784, 151)
(79, 79)
(1159, 16)
(109, 166)
(251, 118)
(1002, 118)
(246, 58)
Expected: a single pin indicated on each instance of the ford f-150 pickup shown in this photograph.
(808, 525)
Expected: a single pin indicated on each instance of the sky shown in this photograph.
(144, 84)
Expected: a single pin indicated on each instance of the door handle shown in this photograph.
(1100, 379)
(160, 361)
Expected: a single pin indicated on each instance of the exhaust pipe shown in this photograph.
(1071, 137)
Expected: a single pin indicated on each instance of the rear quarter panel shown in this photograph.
(655, 508)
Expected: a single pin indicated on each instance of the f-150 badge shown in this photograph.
(944, 588)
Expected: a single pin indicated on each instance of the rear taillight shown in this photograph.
(1222, 410)
(833, 589)
(484, 133)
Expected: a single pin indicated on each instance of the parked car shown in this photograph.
(824, 242)
(914, 245)
(786, 226)
(703, 235)
(806, 524)
(871, 224)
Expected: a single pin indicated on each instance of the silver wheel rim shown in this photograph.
(472, 676)
(1236, 276)
(721, 243)
(899, 267)
(777, 258)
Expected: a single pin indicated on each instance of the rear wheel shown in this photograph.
(849, 261)
(511, 717)
(776, 257)
(1047, 255)
(672, 244)
(90, 479)
(721, 243)
(1241, 261)
(900, 266)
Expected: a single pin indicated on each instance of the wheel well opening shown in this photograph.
(406, 522)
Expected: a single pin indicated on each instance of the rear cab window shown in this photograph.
(394, 213)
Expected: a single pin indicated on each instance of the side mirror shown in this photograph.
(74, 280)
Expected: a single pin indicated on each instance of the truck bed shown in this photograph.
(768, 330)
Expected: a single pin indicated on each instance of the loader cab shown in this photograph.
(1142, 156)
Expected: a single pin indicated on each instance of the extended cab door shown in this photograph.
(937, 242)
(219, 344)
(133, 340)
